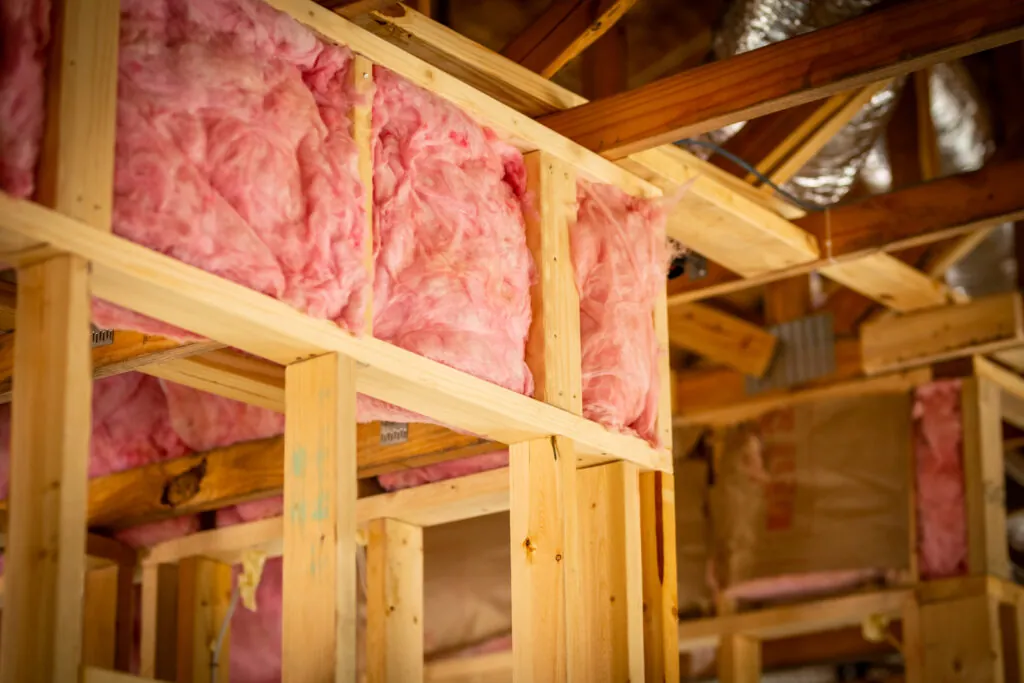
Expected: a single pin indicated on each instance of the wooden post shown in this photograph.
(984, 478)
(45, 568)
(362, 135)
(658, 535)
(542, 472)
(611, 574)
(99, 637)
(660, 586)
(319, 621)
(159, 608)
(394, 602)
(959, 642)
(739, 659)
(204, 593)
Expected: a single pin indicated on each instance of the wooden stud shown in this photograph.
(660, 588)
(99, 637)
(739, 659)
(722, 338)
(204, 594)
(319, 580)
(887, 280)
(542, 493)
(984, 478)
(159, 286)
(362, 134)
(159, 619)
(1011, 630)
(927, 142)
(959, 641)
(810, 67)
(542, 472)
(45, 552)
(610, 615)
(394, 602)
(981, 326)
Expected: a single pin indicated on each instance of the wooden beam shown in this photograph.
(159, 621)
(981, 326)
(605, 64)
(350, 9)
(713, 388)
(227, 373)
(895, 41)
(660, 585)
(909, 217)
(394, 602)
(987, 552)
(739, 659)
(319, 579)
(787, 300)
(714, 204)
(611, 574)
(45, 553)
(204, 594)
(546, 644)
(129, 351)
(722, 338)
(889, 281)
(750, 407)
(791, 620)
(130, 275)
(567, 28)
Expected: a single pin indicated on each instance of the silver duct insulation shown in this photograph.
(751, 24)
(964, 135)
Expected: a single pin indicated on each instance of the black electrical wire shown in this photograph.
(750, 169)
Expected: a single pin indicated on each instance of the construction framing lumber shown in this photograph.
(883, 44)
(204, 594)
(562, 32)
(660, 585)
(518, 129)
(981, 408)
(129, 351)
(889, 281)
(737, 213)
(470, 62)
(981, 326)
(722, 338)
(319, 574)
(97, 675)
(45, 553)
(781, 622)
(394, 602)
(150, 283)
(159, 621)
(930, 212)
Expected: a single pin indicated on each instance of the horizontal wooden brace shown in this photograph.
(721, 337)
(980, 326)
(441, 502)
(156, 285)
(912, 217)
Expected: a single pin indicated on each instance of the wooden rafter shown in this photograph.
(722, 338)
(563, 31)
(910, 217)
(898, 40)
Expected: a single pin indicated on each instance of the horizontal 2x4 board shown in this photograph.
(142, 280)
(980, 326)
(518, 129)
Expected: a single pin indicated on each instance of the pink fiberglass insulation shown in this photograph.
(234, 153)
(620, 257)
(453, 271)
(131, 427)
(24, 36)
(416, 476)
(205, 421)
(941, 510)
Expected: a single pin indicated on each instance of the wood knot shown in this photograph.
(184, 487)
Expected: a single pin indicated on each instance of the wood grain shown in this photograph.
(898, 40)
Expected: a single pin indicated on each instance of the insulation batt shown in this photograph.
(941, 509)
(24, 35)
